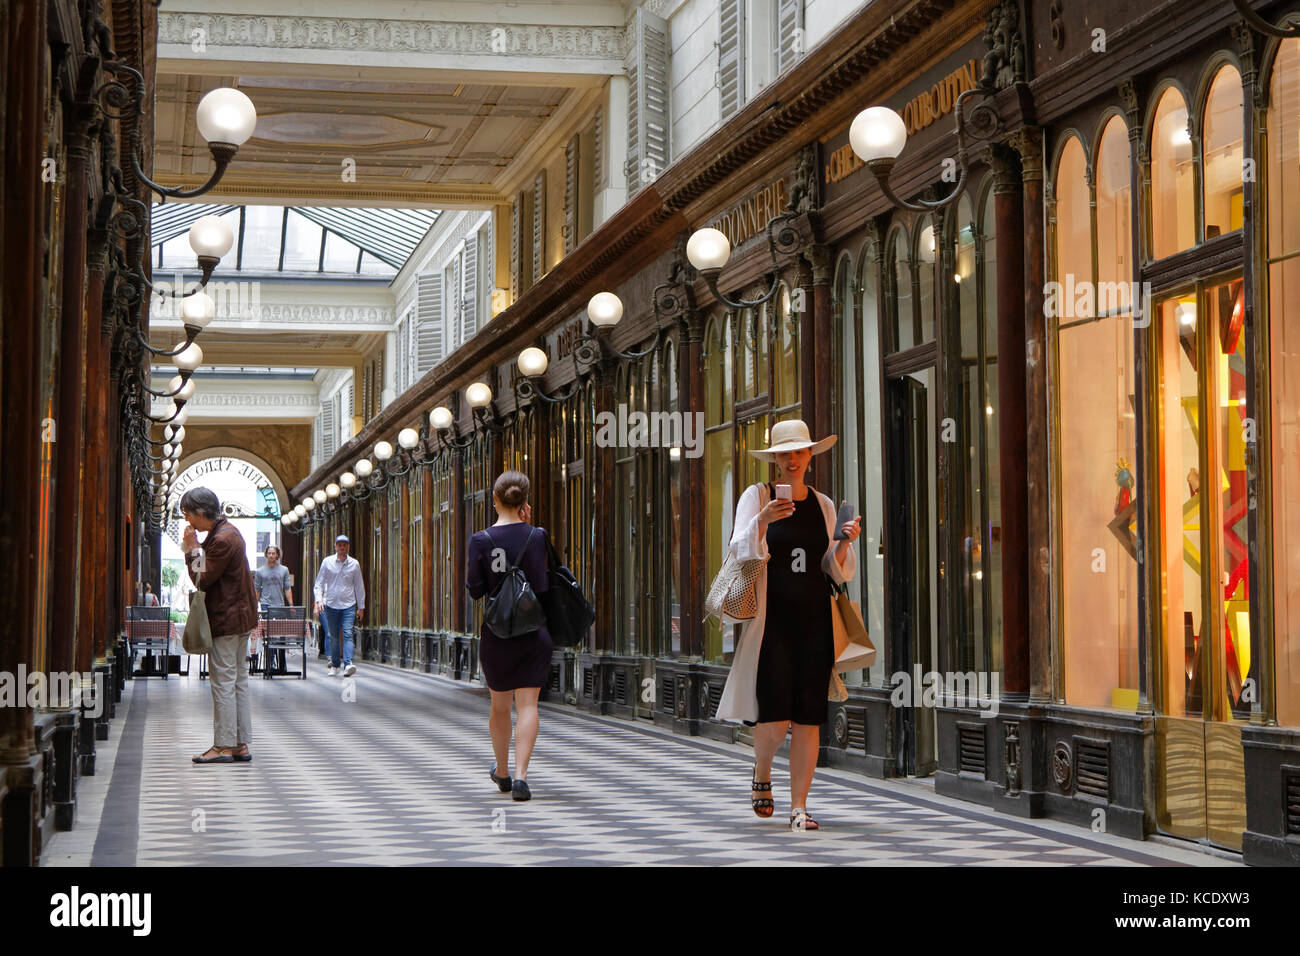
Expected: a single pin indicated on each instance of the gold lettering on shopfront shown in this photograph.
(940, 99)
(752, 215)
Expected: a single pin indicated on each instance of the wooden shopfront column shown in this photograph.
(1008, 207)
(1028, 143)
(22, 248)
(69, 530)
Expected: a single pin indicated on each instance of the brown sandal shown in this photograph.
(214, 755)
(241, 754)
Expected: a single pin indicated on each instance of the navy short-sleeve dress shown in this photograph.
(523, 661)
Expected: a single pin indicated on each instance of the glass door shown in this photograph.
(1206, 684)
(913, 568)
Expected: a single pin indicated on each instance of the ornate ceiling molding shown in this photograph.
(327, 317)
(503, 44)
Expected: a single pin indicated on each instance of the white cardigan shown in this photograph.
(739, 699)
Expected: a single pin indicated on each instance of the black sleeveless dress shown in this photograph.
(523, 661)
(798, 650)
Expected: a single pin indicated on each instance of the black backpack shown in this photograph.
(513, 609)
(569, 614)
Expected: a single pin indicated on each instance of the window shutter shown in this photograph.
(570, 195)
(365, 393)
(469, 286)
(399, 379)
(516, 240)
(539, 226)
(329, 435)
(731, 54)
(429, 338)
(790, 39)
(317, 439)
(598, 150)
(647, 107)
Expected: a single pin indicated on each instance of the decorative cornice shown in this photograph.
(370, 35)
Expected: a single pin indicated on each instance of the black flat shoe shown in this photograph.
(503, 783)
(520, 791)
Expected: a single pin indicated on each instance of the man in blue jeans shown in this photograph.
(340, 601)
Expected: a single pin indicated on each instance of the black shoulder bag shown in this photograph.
(569, 614)
(513, 609)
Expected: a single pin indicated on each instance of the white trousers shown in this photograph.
(232, 722)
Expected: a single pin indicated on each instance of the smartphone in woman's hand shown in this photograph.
(784, 492)
(845, 516)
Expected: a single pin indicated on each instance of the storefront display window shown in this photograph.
(857, 454)
(718, 457)
(1205, 537)
(1284, 335)
(1097, 491)
(978, 602)
(415, 549)
(900, 269)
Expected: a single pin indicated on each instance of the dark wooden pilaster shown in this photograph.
(68, 614)
(1009, 241)
(22, 304)
(1028, 143)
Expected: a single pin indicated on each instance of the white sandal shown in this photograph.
(799, 820)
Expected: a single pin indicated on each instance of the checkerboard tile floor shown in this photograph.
(398, 776)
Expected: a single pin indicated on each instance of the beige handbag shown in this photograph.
(734, 591)
(197, 637)
(853, 647)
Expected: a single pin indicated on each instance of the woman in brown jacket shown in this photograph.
(220, 568)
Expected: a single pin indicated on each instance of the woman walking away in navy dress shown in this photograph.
(517, 668)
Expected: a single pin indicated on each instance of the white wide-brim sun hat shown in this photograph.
(791, 435)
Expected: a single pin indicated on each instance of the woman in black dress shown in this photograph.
(781, 674)
(516, 669)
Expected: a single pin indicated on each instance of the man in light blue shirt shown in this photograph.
(340, 601)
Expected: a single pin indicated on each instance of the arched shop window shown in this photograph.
(516, 448)
(671, 504)
(647, 515)
(395, 604)
(1283, 323)
(977, 611)
(1221, 149)
(751, 362)
(415, 548)
(719, 459)
(902, 314)
(629, 392)
(925, 257)
(477, 511)
(1173, 178)
(1096, 436)
(442, 516)
(858, 452)
(572, 513)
